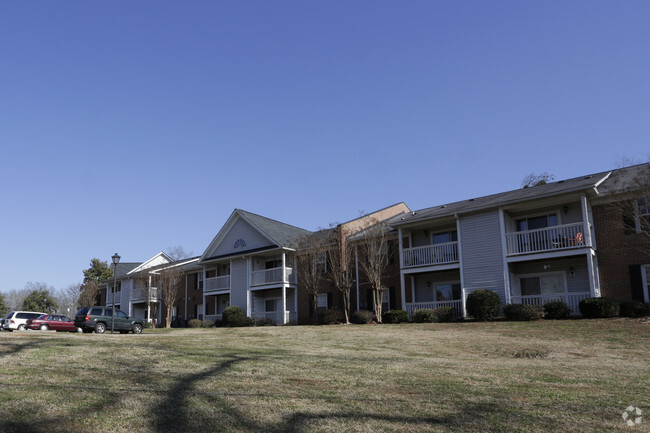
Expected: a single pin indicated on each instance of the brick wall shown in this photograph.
(618, 251)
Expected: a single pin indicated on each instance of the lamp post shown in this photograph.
(116, 260)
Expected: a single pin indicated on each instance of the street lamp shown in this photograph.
(116, 260)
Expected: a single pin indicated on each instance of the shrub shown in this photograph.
(483, 304)
(425, 315)
(363, 317)
(330, 317)
(556, 310)
(395, 316)
(233, 315)
(265, 321)
(445, 314)
(599, 307)
(195, 323)
(207, 324)
(633, 309)
(523, 313)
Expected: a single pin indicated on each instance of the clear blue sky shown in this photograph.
(132, 126)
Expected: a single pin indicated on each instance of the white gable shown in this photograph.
(159, 259)
(240, 237)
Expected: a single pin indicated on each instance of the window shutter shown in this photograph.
(636, 283)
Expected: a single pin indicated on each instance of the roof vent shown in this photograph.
(471, 199)
(588, 177)
(443, 206)
(560, 181)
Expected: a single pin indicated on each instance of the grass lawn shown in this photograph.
(576, 375)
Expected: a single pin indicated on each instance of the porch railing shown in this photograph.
(145, 293)
(430, 255)
(217, 283)
(109, 297)
(276, 316)
(214, 317)
(457, 305)
(571, 299)
(273, 275)
(553, 238)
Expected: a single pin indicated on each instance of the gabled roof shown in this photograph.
(280, 233)
(583, 183)
(149, 263)
(277, 233)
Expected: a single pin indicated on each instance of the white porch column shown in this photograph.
(284, 288)
(459, 235)
(248, 287)
(585, 220)
(295, 291)
(591, 270)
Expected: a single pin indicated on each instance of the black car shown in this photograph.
(98, 319)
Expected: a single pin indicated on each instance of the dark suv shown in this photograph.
(98, 319)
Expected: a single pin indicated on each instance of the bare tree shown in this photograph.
(68, 298)
(170, 281)
(340, 268)
(311, 252)
(537, 179)
(14, 298)
(178, 253)
(374, 259)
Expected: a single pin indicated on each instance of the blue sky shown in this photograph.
(131, 127)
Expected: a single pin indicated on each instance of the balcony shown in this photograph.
(456, 304)
(217, 283)
(144, 294)
(109, 298)
(554, 238)
(438, 254)
(273, 276)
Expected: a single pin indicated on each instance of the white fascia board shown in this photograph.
(144, 265)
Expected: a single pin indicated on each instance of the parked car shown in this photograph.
(17, 320)
(2, 322)
(98, 319)
(54, 322)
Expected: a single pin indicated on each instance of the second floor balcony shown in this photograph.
(553, 238)
(145, 294)
(273, 276)
(437, 254)
(217, 283)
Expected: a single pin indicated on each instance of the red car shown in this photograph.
(54, 322)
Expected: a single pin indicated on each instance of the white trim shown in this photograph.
(400, 239)
(645, 273)
(143, 265)
(356, 265)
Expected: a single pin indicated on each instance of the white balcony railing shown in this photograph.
(140, 294)
(217, 283)
(457, 305)
(109, 298)
(273, 275)
(430, 255)
(553, 238)
(571, 299)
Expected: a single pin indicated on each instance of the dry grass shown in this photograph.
(464, 377)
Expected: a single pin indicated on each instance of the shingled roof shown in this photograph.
(280, 233)
(577, 184)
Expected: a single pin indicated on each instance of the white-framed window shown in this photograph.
(448, 291)
(321, 300)
(542, 284)
(444, 237)
(643, 214)
(199, 281)
(537, 222)
(645, 278)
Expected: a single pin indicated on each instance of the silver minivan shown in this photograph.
(17, 320)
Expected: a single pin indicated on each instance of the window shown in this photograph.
(211, 273)
(321, 300)
(645, 278)
(269, 305)
(199, 281)
(538, 222)
(643, 206)
(448, 292)
(320, 263)
(119, 314)
(445, 237)
(546, 284)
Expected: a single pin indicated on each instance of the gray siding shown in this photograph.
(239, 283)
(244, 231)
(482, 253)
